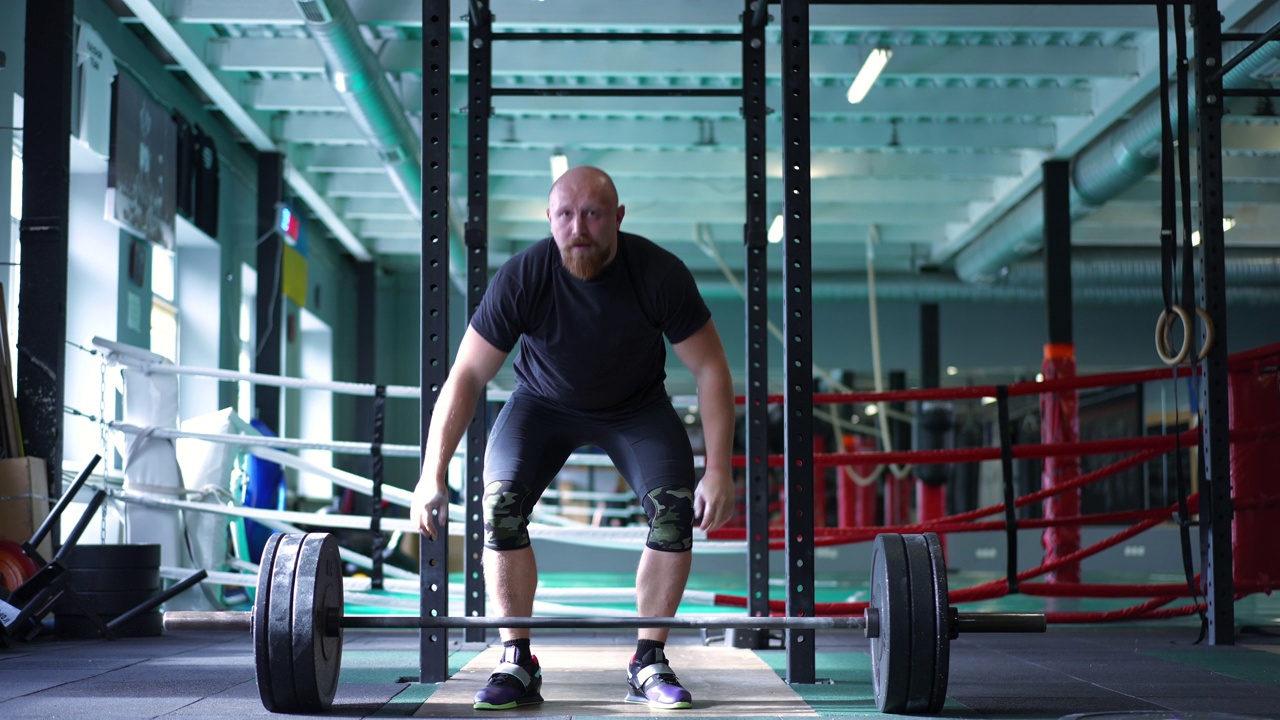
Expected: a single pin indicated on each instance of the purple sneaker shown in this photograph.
(655, 684)
(511, 685)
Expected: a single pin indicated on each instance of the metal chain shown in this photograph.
(102, 441)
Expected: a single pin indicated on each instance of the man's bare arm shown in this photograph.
(703, 354)
(476, 364)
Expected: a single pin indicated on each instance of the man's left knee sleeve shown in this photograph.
(670, 511)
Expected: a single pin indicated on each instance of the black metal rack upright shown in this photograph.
(797, 278)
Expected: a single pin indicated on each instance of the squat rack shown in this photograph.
(1216, 508)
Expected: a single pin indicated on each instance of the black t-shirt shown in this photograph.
(596, 344)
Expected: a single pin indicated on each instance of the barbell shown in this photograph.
(297, 622)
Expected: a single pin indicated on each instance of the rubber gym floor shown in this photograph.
(1107, 671)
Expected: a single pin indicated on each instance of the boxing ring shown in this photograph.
(1255, 420)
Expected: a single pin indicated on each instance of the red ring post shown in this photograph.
(1254, 395)
(1060, 423)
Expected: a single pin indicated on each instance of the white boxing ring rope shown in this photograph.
(622, 538)
(545, 526)
(347, 447)
(348, 388)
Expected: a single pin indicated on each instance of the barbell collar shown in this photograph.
(208, 621)
(998, 622)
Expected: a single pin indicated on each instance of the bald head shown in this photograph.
(585, 215)
(586, 178)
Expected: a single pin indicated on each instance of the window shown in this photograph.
(248, 302)
(164, 328)
(13, 276)
(164, 313)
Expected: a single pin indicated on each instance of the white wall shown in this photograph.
(199, 313)
(315, 406)
(92, 307)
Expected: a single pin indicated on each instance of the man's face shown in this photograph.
(584, 215)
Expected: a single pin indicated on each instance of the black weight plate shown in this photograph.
(942, 638)
(284, 579)
(317, 594)
(149, 624)
(114, 579)
(135, 556)
(261, 623)
(924, 624)
(103, 603)
(891, 648)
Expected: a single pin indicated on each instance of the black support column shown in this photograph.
(930, 346)
(269, 308)
(1057, 249)
(479, 78)
(46, 181)
(1216, 510)
(433, 564)
(754, 112)
(797, 324)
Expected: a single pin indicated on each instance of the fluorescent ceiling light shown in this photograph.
(952, 370)
(776, 229)
(340, 82)
(559, 164)
(871, 70)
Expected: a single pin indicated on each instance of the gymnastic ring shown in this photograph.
(1162, 336)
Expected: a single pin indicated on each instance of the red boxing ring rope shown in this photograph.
(1144, 449)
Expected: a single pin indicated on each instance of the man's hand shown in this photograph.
(713, 500)
(430, 509)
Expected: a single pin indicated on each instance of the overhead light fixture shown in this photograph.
(559, 164)
(340, 81)
(952, 370)
(1227, 224)
(871, 69)
(776, 229)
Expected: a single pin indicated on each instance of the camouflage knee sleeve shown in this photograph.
(670, 511)
(505, 525)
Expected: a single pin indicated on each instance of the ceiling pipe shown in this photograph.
(362, 85)
(943, 289)
(1115, 162)
(1256, 267)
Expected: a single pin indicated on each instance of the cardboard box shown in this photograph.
(24, 500)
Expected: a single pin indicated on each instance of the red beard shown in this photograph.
(584, 264)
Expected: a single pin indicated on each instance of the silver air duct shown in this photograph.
(1112, 164)
(362, 84)
(943, 289)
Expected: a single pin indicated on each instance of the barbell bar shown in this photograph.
(218, 621)
(297, 623)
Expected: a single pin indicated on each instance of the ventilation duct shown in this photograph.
(1112, 164)
(362, 85)
(942, 289)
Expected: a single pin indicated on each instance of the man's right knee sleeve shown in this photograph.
(505, 525)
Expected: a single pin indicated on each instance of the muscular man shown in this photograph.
(590, 306)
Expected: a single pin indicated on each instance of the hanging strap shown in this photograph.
(1168, 197)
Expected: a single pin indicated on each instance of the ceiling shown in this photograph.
(942, 159)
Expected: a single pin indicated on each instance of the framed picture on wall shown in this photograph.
(142, 169)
